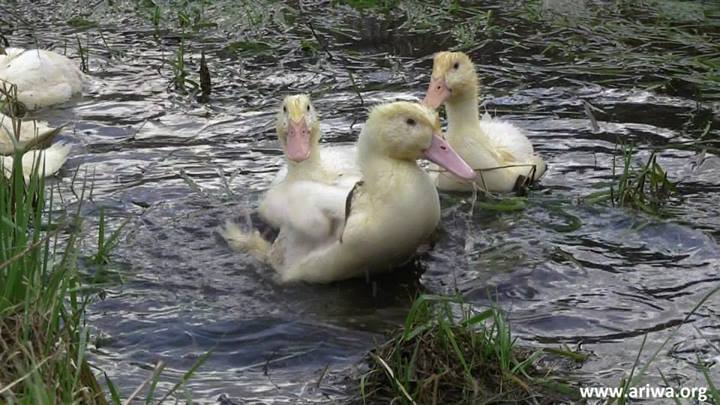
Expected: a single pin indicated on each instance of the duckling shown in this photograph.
(500, 152)
(32, 134)
(42, 78)
(298, 130)
(383, 219)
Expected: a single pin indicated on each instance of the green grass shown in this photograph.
(449, 353)
(105, 245)
(645, 187)
(43, 335)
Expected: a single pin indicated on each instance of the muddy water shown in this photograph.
(589, 276)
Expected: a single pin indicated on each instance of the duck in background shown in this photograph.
(383, 219)
(42, 78)
(500, 152)
(298, 130)
(32, 135)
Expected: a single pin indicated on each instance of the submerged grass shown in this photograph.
(449, 353)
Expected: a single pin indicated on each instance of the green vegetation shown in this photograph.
(466, 34)
(43, 336)
(181, 79)
(81, 23)
(645, 188)
(449, 353)
(376, 5)
(502, 204)
(663, 45)
(106, 245)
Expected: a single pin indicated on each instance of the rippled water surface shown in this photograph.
(565, 271)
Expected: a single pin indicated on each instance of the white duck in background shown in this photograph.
(298, 129)
(32, 134)
(42, 78)
(499, 151)
(383, 219)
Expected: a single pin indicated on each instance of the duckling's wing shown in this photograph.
(49, 160)
(312, 209)
(56, 93)
(510, 142)
(335, 260)
(42, 77)
(348, 205)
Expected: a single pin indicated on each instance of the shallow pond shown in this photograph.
(566, 272)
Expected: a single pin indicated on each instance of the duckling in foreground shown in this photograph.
(500, 152)
(42, 78)
(31, 135)
(384, 218)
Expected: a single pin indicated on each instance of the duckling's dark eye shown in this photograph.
(284, 109)
(308, 107)
(410, 122)
(456, 65)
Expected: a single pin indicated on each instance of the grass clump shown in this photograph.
(43, 336)
(449, 353)
(646, 188)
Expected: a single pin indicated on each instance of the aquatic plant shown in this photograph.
(631, 42)
(181, 80)
(465, 34)
(646, 188)
(447, 352)
(106, 245)
(84, 54)
(378, 5)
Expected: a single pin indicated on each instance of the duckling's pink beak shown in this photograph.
(438, 92)
(298, 141)
(441, 153)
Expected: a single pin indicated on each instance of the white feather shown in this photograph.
(42, 78)
(49, 160)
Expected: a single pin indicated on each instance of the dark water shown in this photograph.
(176, 170)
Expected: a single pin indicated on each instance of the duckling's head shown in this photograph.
(453, 79)
(410, 131)
(298, 127)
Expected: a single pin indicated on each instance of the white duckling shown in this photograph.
(298, 129)
(384, 218)
(499, 151)
(42, 77)
(31, 134)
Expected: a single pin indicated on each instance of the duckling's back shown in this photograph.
(42, 78)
